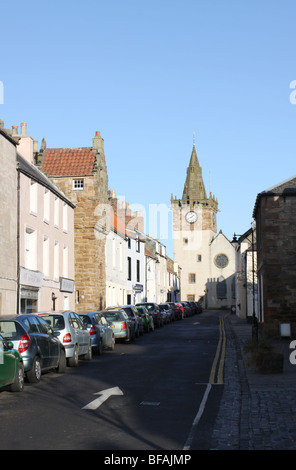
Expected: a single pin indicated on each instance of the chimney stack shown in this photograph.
(23, 128)
(98, 142)
(14, 130)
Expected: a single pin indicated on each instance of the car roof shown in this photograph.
(112, 311)
(15, 316)
(56, 312)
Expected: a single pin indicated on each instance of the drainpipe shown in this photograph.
(18, 244)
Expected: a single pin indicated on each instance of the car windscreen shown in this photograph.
(86, 320)
(149, 307)
(57, 322)
(129, 311)
(11, 330)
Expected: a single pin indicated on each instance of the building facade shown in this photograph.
(207, 259)
(81, 173)
(8, 224)
(246, 275)
(116, 263)
(46, 236)
(274, 213)
(46, 243)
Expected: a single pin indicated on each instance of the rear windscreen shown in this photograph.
(56, 322)
(11, 330)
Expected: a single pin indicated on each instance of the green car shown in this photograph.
(147, 319)
(11, 367)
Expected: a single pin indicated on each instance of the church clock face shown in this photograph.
(191, 217)
(221, 260)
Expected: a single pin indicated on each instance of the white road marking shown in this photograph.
(197, 417)
(105, 394)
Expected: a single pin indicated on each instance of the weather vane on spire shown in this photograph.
(193, 139)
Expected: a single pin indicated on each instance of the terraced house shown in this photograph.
(8, 223)
(46, 236)
(81, 173)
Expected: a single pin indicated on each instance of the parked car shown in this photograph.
(122, 325)
(177, 312)
(187, 309)
(35, 341)
(147, 318)
(72, 334)
(131, 311)
(165, 308)
(183, 310)
(102, 335)
(153, 308)
(198, 307)
(11, 366)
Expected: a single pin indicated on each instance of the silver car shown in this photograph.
(102, 335)
(36, 342)
(71, 332)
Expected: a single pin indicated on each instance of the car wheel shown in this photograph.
(100, 348)
(62, 363)
(73, 361)
(129, 338)
(112, 343)
(18, 384)
(88, 355)
(34, 375)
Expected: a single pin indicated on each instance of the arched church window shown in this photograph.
(221, 288)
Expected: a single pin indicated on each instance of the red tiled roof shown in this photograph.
(69, 162)
(117, 224)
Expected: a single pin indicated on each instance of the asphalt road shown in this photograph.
(164, 395)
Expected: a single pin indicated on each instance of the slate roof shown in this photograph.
(69, 161)
(285, 188)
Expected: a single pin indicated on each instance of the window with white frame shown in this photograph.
(56, 211)
(46, 256)
(33, 197)
(65, 261)
(56, 260)
(78, 184)
(65, 217)
(31, 248)
(46, 205)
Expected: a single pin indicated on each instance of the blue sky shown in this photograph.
(149, 74)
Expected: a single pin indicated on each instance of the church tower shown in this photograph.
(194, 228)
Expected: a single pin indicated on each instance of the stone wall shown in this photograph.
(89, 248)
(276, 235)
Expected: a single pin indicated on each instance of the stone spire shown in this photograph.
(194, 189)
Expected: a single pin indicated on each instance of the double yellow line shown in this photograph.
(217, 371)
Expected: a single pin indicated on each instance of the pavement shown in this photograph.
(257, 411)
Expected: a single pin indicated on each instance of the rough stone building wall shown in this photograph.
(89, 249)
(276, 243)
(90, 217)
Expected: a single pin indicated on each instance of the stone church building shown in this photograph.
(207, 259)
